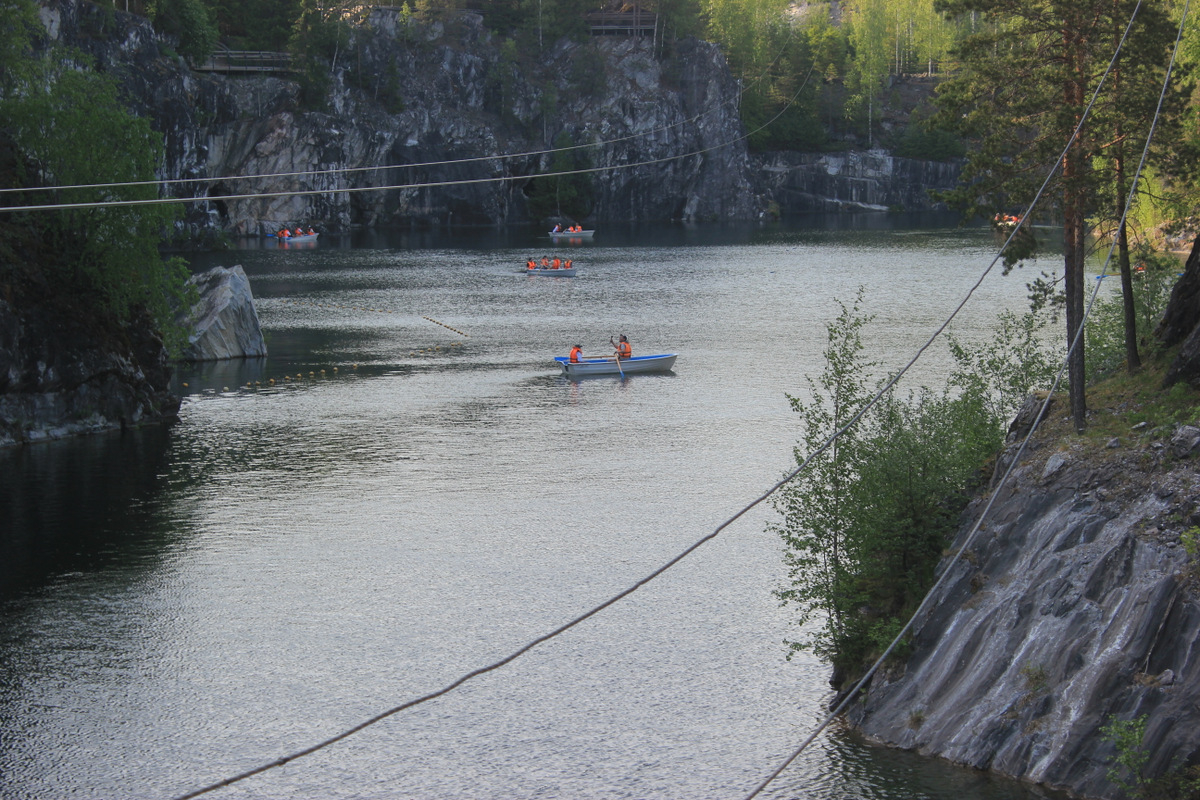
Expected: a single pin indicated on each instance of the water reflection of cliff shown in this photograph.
(67, 506)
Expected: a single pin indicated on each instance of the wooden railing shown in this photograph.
(622, 23)
(236, 61)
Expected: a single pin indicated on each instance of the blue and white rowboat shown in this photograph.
(608, 366)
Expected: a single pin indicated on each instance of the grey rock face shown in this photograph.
(852, 181)
(406, 100)
(223, 322)
(62, 374)
(439, 125)
(1070, 609)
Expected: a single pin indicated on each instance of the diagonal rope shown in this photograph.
(1076, 342)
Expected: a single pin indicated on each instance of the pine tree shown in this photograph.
(1027, 76)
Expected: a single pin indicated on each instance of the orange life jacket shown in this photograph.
(576, 355)
(531, 264)
(624, 349)
(556, 263)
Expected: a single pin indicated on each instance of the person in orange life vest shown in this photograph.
(624, 350)
(545, 262)
(576, 354)
(298, 232)
(285, 233)
(557, 228)
(311, 232)
(531, 264)
(567, 264)
(556, 263)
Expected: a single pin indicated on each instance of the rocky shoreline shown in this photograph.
(1077, 603)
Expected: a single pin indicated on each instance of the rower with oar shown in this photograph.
(623, 351)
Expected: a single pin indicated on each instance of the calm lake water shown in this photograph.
(420, 493)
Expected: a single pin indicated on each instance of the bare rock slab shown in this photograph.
(223, 322)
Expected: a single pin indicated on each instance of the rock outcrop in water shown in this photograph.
(223, 322)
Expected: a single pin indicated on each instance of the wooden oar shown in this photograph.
(617, 358)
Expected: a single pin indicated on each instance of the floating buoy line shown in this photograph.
(447, 327)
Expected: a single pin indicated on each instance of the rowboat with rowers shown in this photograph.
(557, 235)
(634, 365)
(298, 238)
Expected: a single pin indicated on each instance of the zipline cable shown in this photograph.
(431, 184)
(1075, 343)
(517, 653)
(444, 163)
(696, 545)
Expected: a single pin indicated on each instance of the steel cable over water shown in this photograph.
(746, 509)
(764, 496)
(450, 162)
(428, 185)
(1076, 342)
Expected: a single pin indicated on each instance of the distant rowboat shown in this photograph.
(556, 235)
(609, 366)
(304, 237)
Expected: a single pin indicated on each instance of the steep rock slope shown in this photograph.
(1074, 606)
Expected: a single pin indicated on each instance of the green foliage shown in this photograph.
(1019, 358)
(922, 141)
(16, 43)
(1190, 539)
(560, 194)
(815, 505)
(589, 76)
(256, 24)
(319, 36)
(1131, 756)
(72, 125)
(1154, 275)
(865, 523)
(189, 21)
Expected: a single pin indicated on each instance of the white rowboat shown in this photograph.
(608, 366)
(571, 235)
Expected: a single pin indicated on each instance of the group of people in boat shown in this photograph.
(1006, 220)
(284, 233)
(548, 263)
(622, 350)
(568, 229)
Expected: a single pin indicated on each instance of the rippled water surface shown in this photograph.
(408, 491)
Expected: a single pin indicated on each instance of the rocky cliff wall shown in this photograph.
(1074, 606)
(65, 372)
(852, 181)
(405, 99)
